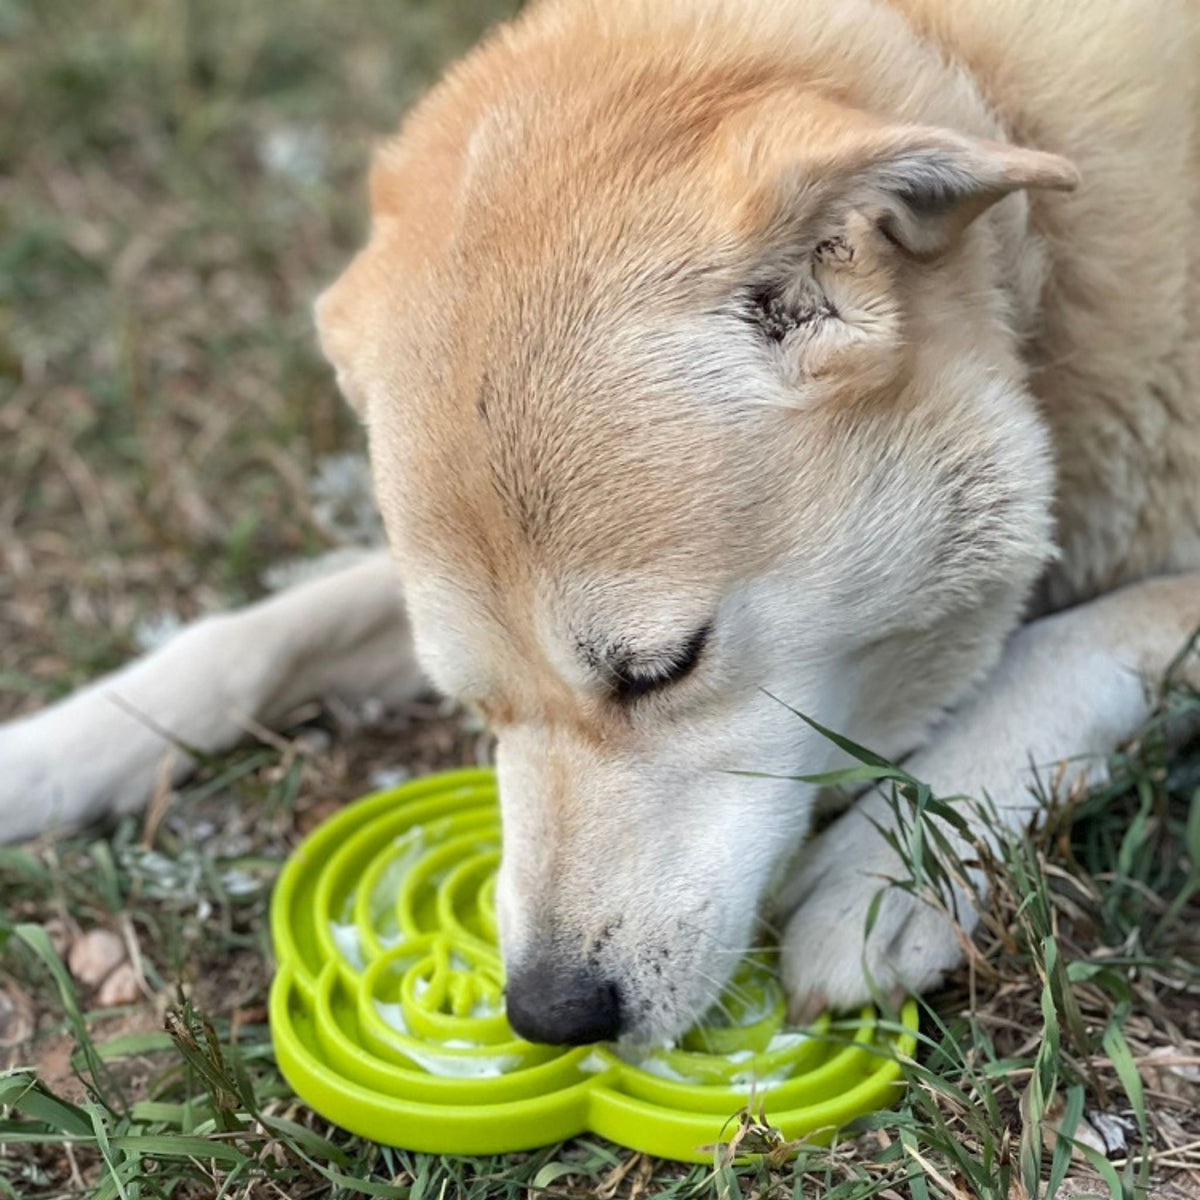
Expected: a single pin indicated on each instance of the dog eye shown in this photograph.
(631, 680)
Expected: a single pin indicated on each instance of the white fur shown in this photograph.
(102, 750)
(580, 435)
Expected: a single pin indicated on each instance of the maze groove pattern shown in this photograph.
(387, 1010)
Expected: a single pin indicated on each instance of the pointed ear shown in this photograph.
(796, 160)
(334, 315)
(349, 315)
(923, 187)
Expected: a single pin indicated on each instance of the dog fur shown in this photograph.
(720, 354)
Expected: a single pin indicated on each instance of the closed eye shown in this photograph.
(632, 678)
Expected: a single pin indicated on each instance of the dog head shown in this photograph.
(691, 396)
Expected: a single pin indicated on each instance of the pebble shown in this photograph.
(16, 1017)
(121, 987)
(94, 955)
(59, 935)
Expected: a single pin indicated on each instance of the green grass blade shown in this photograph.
(106, 1151)
(23, 1093)
(861, 753)
(166, 1146)
(1067, 1123)
(1117, 1049)
(36, 938)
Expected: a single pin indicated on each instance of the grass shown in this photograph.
(177, 180)
(1077, 1015)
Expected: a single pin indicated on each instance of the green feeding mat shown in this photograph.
(388, 1009)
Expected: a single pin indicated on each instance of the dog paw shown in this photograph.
(828, 958)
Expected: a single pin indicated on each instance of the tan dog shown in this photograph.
(714, 352)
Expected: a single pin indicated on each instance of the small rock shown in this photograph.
(314, 742)
(121, 987)
(1104, 1133)
(387, 777)
(16, 1016)
(1109, 1133)
(59, 935)
(94, 955)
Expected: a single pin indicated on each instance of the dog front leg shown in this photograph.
(102, 749)
(1068, 691)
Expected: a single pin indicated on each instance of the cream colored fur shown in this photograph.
(784, 321)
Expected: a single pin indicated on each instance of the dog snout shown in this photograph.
(563, 1004)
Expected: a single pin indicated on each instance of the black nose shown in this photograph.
(564, 1006)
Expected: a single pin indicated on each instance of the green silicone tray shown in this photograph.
(387, 1011)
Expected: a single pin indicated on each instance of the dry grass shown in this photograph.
(177, 179)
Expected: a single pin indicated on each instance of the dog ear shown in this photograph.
(799, 163)
(923, 187)
(832, 203)
(333, 323)
(351, 315)
(346, 316)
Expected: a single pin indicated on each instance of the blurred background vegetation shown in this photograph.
(178, 179)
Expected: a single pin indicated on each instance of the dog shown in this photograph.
(723, 360)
